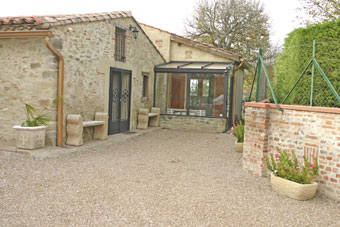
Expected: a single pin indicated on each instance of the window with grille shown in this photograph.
(145, 86)
(120, 45)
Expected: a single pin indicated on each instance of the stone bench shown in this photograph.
(145, 118)
(75, 126)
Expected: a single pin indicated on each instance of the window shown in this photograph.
(145, 86)
(194, 87)
(193, 94)
(205, 88)
(120, 45)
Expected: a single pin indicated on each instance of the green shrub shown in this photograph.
(296, 54)
(32, 120)
(281, 165)
(239, 132)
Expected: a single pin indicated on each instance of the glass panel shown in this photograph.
(115, 96)
(125, 96)
(206, 88)
(206, 95)
(193, 87)
(218, 66)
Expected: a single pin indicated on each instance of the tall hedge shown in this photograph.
(296, 54)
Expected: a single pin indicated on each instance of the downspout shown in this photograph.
(235, 89)
(60, 88)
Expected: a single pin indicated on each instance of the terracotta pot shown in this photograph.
(30, 137)
(292, 189)
(239, 147)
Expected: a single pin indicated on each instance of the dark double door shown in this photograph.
(119, 100)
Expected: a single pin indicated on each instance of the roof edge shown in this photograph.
(45, 22)
(201, 45)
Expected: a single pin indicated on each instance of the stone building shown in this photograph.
(92, 60)
(107, 62)
(200, 87)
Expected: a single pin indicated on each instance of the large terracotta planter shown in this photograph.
(30, 137)
(238, 147)
(292, 189)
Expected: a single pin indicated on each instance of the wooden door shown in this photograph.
(177, 91)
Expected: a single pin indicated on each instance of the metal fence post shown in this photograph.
(258, 76)
(312, 79)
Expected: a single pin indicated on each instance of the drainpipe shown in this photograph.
(235, 89)
(60, 88)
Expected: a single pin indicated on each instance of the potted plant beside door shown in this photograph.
(31, 133)
(238, 132)
(291, 178)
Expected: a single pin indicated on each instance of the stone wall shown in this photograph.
(310, 131)
(190, 123)
(29, 72)
(28, 75)
(182, 52)
(160, 38)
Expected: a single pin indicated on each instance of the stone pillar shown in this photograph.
(154, 121)
(143, 118)
(74, 130)
(100, 131)
(255, 139)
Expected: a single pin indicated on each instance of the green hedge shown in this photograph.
(296, 54)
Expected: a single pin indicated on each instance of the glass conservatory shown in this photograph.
(196, 89)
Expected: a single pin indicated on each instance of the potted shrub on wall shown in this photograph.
(31, 133)
(239, 133)
(290, 178)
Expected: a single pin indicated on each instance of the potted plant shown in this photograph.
(31, 133)
(239, 133)
(290, 178)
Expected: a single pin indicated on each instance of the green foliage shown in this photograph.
(239, 132)
(297, 52)
(282, 165)
(58, 99)
(32, 120)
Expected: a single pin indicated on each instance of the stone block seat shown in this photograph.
(75, 126)
(145, 118)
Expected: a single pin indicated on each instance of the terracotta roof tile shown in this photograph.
(47, 21)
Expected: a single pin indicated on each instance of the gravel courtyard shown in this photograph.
(164, 178)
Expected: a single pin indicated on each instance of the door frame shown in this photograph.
(120, 71)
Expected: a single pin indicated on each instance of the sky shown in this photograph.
(169, 15)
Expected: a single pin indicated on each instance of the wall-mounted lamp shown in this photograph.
(134, 31)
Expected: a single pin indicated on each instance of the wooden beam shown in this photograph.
(30, 34)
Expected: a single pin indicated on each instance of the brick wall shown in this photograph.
(310, 131)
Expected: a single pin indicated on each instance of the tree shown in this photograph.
(320, 10)
(236, 25)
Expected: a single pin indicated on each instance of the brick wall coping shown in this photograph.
(319, 109)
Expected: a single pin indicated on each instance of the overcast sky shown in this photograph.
(168, 15)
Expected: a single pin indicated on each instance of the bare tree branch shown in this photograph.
(319, 10)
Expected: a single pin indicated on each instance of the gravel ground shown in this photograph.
(164, 178)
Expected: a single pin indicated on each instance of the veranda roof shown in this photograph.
(193, 67)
